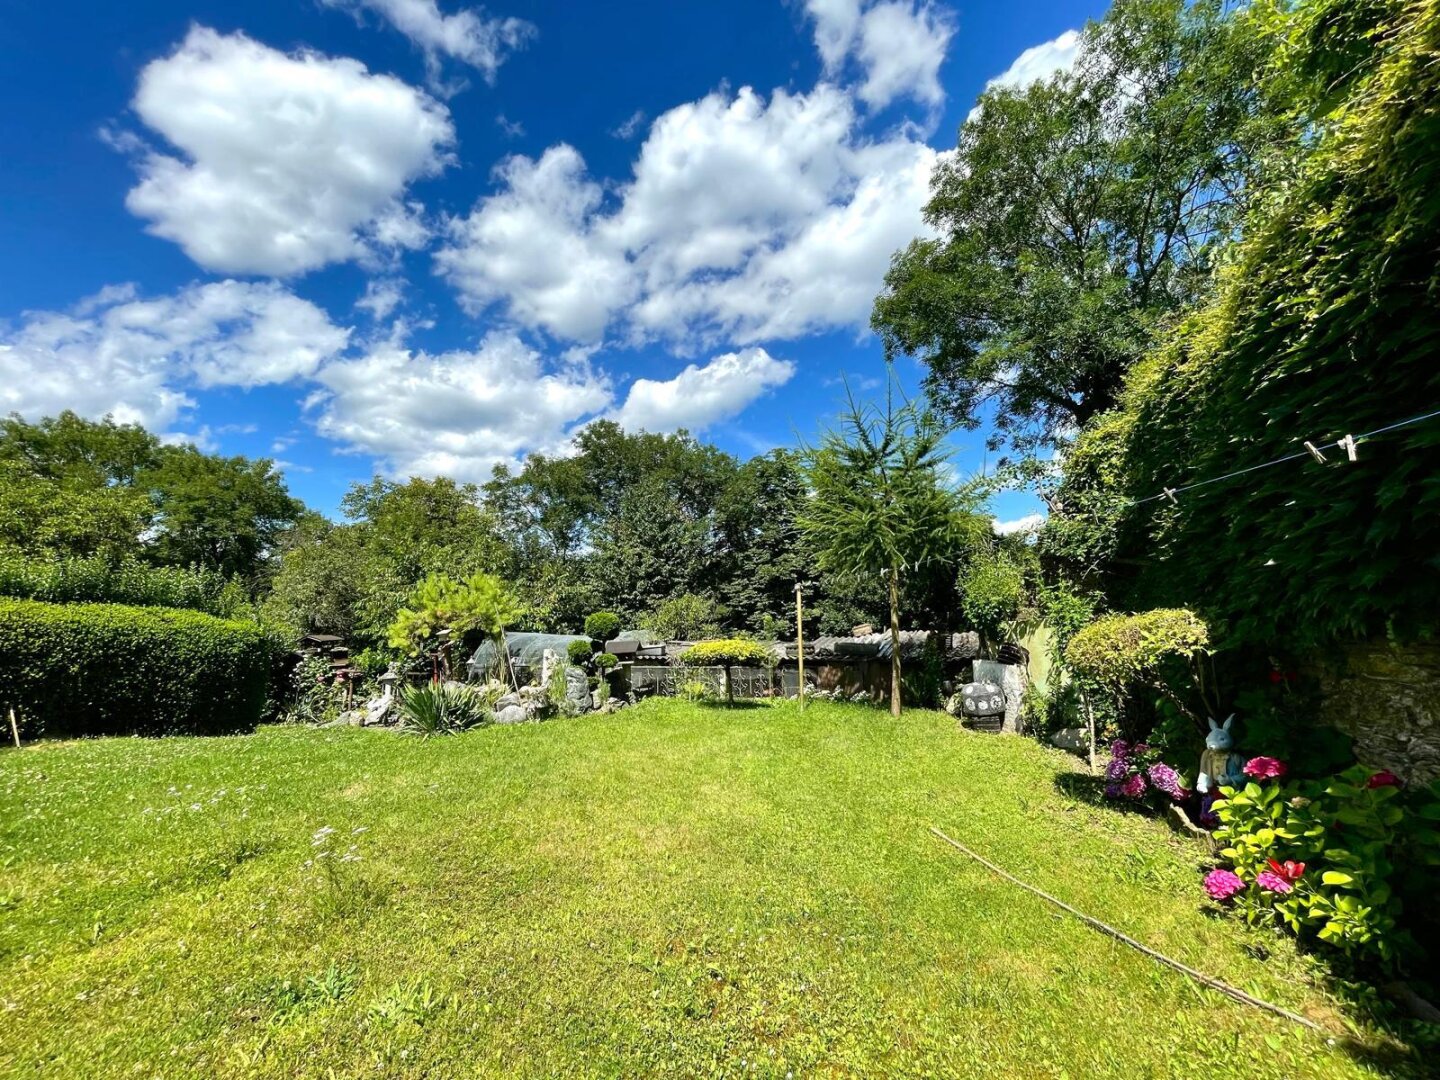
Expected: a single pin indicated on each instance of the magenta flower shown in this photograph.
(1120, 749)
(1265, 768)
(1164, 778)
(1117, 770)
(1273, 882)
(1383, 778)
(1134, 787)
(1223, 884)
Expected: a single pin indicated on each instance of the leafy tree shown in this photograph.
(686, 617)
(1077, 215)
(222, 513)
(67, 486)
(879, 507)
(1323, 325)
(997, 587)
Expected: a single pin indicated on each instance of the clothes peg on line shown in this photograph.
(1315, 452)
(1170, 494)
(1348, 445)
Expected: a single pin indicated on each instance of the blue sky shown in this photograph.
(411, 237)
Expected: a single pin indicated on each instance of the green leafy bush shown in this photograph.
(1331, 858)
(605, 661)
(579, 652)
(443, 708)
(602, 625)
(727, 653)
(1119, 651)
(686, 617)
(97, 580)
(107, 669)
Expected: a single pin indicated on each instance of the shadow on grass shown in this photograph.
(1085, 788)
(729, 706)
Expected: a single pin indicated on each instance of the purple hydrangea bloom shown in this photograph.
(1223, 884)
(1112, 791)
(1117, 770)
(1166, 779)
(1120, 749)
(1268, 879)
(1134, 787)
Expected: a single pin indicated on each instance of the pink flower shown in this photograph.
(1265, 768)
(1273, 882)
(1383, 778)
(1223, 884)
(1134, 787)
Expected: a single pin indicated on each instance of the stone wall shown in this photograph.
(1387, 698)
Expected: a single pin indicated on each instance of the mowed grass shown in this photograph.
(676, 889)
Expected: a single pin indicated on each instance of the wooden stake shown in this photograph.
(800, 641)
(14, 729)
(1204, 980)
(1090, 720)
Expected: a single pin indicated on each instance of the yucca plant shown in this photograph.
(443, 708)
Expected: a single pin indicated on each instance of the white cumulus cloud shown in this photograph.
(119, 354)
(455, 413)
(1037, 63)
(470, 35)
(1026, 524)
(744, 220)
(898, 45)
(282, 162)
(702, 395)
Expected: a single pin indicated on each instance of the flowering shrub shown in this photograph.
(1136, 773)
(1265, 768)
(1329, 858)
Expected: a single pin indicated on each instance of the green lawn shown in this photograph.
(675, 889)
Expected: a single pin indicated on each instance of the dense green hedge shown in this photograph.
(105, 669)
(96, 580)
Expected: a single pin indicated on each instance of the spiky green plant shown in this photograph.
(443, 708)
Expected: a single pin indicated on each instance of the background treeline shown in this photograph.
(670, 532)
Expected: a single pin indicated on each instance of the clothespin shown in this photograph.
(1348, 445)
(1315, 453)
(1170, 494)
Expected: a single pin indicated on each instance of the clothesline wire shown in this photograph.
(1171, 492)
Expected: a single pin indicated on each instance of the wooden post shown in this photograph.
(894, 642)
(1090, 721)
(14, 729)
(800, 641)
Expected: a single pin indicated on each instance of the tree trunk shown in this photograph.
(729, 686)
(894, 642)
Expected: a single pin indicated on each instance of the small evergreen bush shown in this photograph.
(605, 661)
(602, 626)
(579, 652)
(108, 669)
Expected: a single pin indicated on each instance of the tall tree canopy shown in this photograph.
(70, 486)
(1324, 325)
(1075, 217)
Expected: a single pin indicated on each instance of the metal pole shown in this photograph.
(800, 641)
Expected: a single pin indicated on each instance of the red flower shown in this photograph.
(1265, 768)
(1290, 871)
(1383, 778)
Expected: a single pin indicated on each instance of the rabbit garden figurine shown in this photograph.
(1220, 764)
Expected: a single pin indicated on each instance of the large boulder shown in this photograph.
(577, 690)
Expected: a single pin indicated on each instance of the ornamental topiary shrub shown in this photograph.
(107, 669)
(727, 653)
(602, 626)
(605, 661)
(579, 652)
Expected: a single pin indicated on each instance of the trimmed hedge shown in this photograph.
(95, 580)
(107, 669)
